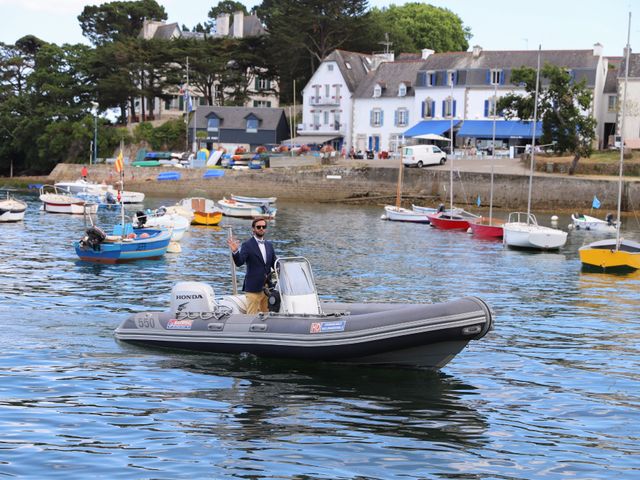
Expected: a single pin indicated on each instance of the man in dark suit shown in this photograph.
(259, 256)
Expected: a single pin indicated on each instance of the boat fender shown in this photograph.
(94, 236)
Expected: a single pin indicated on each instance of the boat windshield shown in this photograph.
(295, 277)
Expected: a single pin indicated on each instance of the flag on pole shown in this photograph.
(188, 102)
(120, 163)
(478, 202)
(596, 202)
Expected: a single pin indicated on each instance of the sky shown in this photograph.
(495, 24)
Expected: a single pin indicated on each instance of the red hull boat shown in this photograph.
(455, 221)
(486, 230)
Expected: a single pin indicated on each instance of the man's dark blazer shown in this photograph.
(257, 269)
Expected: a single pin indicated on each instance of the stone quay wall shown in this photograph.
(366, 184)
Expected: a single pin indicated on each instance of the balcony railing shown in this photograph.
(314, 127)
(325, 100)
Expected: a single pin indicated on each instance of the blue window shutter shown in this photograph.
(371, 118)
(486, 108)
(502, 75)
(433, 109)
(454, 108)
(395, 118)
(381, 117)
(406, 118)
(370, 143)
(444, 108)
(424, 107)
(489, 77)
(455, 78)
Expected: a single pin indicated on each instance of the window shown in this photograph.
(262, 83)
(449, 107)
(376, 117)
(261, 103)
(252, 125)
(316, 120)
(612, 103)
(336, 120)
(402, 117)
(489, 106)
(377, 91)
(327, 92)
(402, 90)
(431, 79)
(330, 67)
(428, 108)
(451, 78)
(495, 77)
(326, 118)
(348, 65)
(213, 124)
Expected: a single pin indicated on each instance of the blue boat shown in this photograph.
(124, 245)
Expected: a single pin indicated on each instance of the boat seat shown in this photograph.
(112, 238)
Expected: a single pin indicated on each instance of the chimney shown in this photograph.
(597, 50)
(426, 52)
(477, 50)
(222, 24)
(238, 24)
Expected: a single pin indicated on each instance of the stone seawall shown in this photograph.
(371, 185)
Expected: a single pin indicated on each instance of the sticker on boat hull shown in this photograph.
(175, 324)
(327, 327)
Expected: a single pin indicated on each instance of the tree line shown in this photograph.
(50, 94)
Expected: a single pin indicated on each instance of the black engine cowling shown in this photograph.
(94, 236)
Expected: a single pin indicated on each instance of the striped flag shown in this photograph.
(120, 163)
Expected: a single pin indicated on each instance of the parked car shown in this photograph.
(421, 155)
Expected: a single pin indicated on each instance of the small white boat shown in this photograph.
(521, 230)
(232, 208)
(57, 201)
(101, 190)
(254, 200)
(160, 218)
(12, 210)
(399, 214)
(182, 210)
(587, 222)
(425, 210)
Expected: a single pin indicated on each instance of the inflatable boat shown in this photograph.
(300, 326)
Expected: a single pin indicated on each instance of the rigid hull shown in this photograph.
(421, 335)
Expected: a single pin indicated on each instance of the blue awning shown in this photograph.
(504, 129)
(430, 126)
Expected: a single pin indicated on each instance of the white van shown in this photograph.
(421, 155)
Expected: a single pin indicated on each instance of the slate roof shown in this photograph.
(236, 117)
(581, 59)
(390, 75)
(360, 64)
(634, 66)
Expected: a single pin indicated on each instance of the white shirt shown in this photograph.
(262, 248)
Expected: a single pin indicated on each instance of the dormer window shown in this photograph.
(330, 67)
(213, 124)
(377, 91)
(431, 79)
(496, 77)
(252, 124)
(452, 78)
(348, 65)
(402, 90)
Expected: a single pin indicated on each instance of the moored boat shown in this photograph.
(56, 201)
(233, 208)
(205, 211)
(300, 326)
(593, 224)
(12, 209)
(254, 200)
(101, 190)
(399, 214)
(123, 245)
(456, 219)
(522, 230)
(487, 228)
(160, 218)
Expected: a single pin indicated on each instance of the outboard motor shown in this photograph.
(94, 236)
(441, 208)
(192, 297)
(160, 211)
(140, 219)
(609, 219)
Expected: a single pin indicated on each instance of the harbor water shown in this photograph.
(553, 391)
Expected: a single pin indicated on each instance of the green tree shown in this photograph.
(414, 26)
(118, 20)
(564, 107)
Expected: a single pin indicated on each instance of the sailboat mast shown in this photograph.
(533, 135)
(622, 108)
(493, 149)
(400, 172)
(451, 136)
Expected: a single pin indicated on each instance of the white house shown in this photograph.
(328, 98)
(632, 105)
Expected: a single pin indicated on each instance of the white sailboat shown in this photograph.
(616, 253)
(397, 213)
(521, 230)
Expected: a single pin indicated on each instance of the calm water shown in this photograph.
(552, 392)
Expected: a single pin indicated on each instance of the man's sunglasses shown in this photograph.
(260, 227)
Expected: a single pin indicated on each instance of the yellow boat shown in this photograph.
(608, 255)
(205, 211)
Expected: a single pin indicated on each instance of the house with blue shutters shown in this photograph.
(444, 94)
